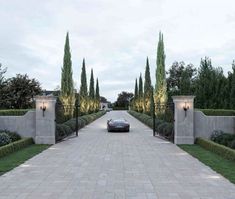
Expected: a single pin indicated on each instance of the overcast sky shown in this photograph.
(115, 37)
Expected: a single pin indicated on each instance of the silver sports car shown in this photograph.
(118, 125)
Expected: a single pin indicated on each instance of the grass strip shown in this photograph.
(13, 160)
(219, 164)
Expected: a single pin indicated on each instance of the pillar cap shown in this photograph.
(183, 97)
(45, 97)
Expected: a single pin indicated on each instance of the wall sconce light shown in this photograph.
(43, 108)
(185, 107)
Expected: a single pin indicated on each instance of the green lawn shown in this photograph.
(217, 163)
(14, 159)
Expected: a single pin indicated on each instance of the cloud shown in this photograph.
(115, 37)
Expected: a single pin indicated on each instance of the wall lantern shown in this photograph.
(43, 108)
(185, 107)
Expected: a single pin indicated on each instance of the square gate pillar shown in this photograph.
(183, 126)
(45, 120)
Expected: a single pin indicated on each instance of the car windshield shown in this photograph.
(119, 120)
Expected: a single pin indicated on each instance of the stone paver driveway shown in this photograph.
(105, 165)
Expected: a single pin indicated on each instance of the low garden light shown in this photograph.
(185, 107)
(43, 108)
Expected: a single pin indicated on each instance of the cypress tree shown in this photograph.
(97, 90)
(136, 89)
(84, 105)
(91, 88)
(147, 88)
(135, 101)
(92, 105)
(97, 95)
(140, 98)
(140, 86)
(67, 74)
(232, 95)
(161, 86)
(83, 87)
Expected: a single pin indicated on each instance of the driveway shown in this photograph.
(101, 165)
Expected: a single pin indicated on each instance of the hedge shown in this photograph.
(120, 108)
(13, 112)
(221, 150)
(67, 128)
(162, 127)
(15, 146)
(218, 112)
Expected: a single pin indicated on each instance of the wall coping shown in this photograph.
(182, 97)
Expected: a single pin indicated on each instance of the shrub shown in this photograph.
(162, 127)
(221, 150)
(69, 127)
(218, 112)
(13, 112)
(215, 135)
(60, 132)
(168, 130)
(13, 135)
(232, 145)
(4, 139)
(220, 137)
(15, 146)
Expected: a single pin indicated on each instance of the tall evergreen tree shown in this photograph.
(84, 105)
(232, 95)
(140, 86)
(141, 94)
(161, 86)
(92, 85)
(136, 89)
(136, 95)
(147, 88)
(97, 90)
(83, 87)
(97, 95)
(67, 74)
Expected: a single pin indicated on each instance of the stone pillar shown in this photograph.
(183, 126)
(45, 120)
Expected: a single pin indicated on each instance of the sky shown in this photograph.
(114, 37)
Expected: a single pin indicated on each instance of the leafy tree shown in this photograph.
(210, 86)
(19, 92)
(181, 79)
(123, 99)
(147, 88)
(2, 72)
(232, 95)
(161, 86)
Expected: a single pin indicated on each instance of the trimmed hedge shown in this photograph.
(67, 128)
(218, 112)
(15, 146)
(221, 150)
(13, 112)
(120, 108)
(162, 127)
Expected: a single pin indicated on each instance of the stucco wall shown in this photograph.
(204, 125)
(23, 125)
